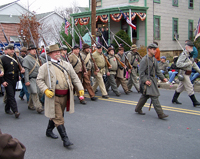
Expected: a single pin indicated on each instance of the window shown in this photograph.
(175, 28)
(175, 3)
(191, 4)
(190, 29)
(156, 27)
(98, 2)
(130, 1)
(156, 1)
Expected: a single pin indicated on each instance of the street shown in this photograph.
(110, 129)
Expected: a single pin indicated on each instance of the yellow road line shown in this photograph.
(174, 109)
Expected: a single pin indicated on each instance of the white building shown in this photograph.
(159, 20)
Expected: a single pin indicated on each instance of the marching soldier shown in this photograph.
(101, 63)
(10, 78)
(63, 52)
(186, 63)
(148, 82)
(85, 54)
(120, 71)
(111, 73)
(133, 58)
(58, 91)
(24, 90)
(75, 61)
(31, 66)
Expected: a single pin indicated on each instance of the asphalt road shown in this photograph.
(110, 129)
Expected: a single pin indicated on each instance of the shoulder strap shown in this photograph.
(32, 69)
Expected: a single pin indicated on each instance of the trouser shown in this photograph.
(185, 85)
(133, 80)
(156, 104)
(10, 93)
(193, 76)
(87, 84)
(111, 82)
(122, 81)
(34, 101)
(24, 91)
(60, 104)
(5, 97)
(99, 82)
(172, 75)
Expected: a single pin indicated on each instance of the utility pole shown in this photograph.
(93, 21)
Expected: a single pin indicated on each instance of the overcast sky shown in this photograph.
(41, 6)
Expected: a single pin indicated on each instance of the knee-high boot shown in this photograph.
(63, 134)
(49, 131)
(175, 98)
(195, 102)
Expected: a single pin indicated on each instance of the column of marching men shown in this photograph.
(53, 79)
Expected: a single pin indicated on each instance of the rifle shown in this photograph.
(2, 43)
(45, 44)
(4, 34)
(39, 60)
(108, 63)
(125, 43)
(19, 64)
(79, 35)
(19, 38)
(126, 59)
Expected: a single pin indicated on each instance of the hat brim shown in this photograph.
(53, 51)
(134, 48)
(32, 48)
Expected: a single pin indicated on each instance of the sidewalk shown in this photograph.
(174, 86)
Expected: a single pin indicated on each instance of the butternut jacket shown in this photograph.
(76, 62)
(43, 84)
(112, 60)
(87, 60)
(133, 58)
(120, 70)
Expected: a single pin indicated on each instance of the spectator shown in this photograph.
(163, 65)
(173, 70)
(157, 55)
(194, 75)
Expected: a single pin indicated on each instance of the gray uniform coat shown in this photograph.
(29, 63)
(151, 90)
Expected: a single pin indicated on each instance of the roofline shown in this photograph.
(51, 14)
(111, 11)
(15, 2)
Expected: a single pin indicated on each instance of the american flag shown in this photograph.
(67, 24)
(128, 21)
(197, 32)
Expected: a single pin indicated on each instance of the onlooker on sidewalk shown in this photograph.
(157, 55)
(163, 65)
(194, 75)
(173, 70)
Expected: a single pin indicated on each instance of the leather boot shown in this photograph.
(195, 102)
(175, 98)
(162, 116)
(49, 131)
(63, 134)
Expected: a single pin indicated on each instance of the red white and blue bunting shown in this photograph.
(133, 15)
(76, 21)
(97, 18)
(84, 21)
(116, 17)
(104, 18)
(142, 16)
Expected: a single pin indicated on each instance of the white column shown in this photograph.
(130, 26)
